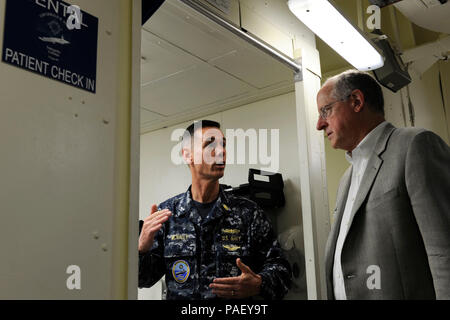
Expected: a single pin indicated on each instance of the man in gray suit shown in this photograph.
(391, 232)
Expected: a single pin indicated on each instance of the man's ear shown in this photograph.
(187, 155)
(358, 99)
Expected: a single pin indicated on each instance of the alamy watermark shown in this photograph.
(73, 282)
(75, 18)
(374, 20)
(263, 148)
(374, 280)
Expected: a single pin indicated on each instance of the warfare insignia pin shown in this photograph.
(226, 207)
(180, 271)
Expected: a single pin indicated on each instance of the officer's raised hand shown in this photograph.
(151, 226)
(246, 285)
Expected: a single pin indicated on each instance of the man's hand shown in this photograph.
(151, 226)
(246, 285)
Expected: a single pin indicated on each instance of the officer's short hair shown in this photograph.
(189, 132)
(347, 81)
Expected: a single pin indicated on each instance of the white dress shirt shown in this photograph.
(358, 158)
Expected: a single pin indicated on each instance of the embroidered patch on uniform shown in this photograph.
(182, 236)
(180, 271)
(231, 247)
(232, 231)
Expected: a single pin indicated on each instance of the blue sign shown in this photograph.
(52, 38)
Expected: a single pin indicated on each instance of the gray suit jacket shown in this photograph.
(401, 221)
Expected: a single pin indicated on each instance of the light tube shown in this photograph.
(322, 18)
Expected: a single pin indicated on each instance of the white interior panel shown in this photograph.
(148, 117)
(160, 59)
(60, 171)
(188, 30)
(192, 67)
(255, 68)
(262, 27)
(198, 86)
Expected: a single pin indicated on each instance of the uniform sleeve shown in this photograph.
(151, 263)
(275, 270)
(428, 183)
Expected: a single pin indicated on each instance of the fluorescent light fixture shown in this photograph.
(334, 29)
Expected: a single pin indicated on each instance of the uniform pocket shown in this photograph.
(180, 257)
(179, 248)
(227, 253)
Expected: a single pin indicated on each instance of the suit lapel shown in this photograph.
(373, 166)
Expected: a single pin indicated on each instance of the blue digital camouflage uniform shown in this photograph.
(191, 252)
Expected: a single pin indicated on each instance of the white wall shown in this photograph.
(426, 97)
(64, 172)
(161, 179)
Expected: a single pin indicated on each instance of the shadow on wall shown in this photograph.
(291, 242)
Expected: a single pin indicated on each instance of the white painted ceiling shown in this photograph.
(191, 67)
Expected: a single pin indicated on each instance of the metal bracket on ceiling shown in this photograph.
(298, 75)
(243, 34)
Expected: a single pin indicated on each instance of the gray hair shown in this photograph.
(347, 81)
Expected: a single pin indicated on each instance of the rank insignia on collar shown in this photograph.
(181, 271)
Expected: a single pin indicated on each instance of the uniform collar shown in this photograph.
(187, 205)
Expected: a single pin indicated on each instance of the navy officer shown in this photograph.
(209, 244)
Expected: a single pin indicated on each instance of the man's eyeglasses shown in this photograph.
(325, 111)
